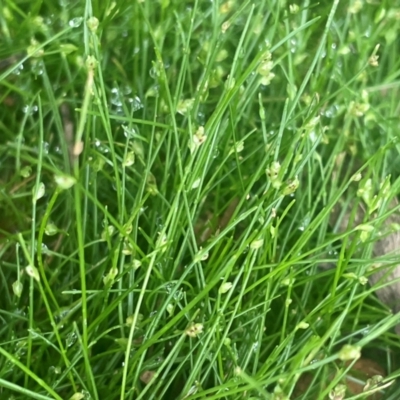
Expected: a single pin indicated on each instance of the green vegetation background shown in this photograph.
(129, 131)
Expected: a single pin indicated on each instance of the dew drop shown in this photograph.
(293, 45)
(305, 222)
(37, 69)
(45, 249)
(331, 111)
(129, 132)
(75, 22)
(17, 71)
(116, 97)
(45, 147)
(332, 252)
(201, 118)
(136, 103)
(54, 370)
(49, 20)
(178, 295)
(159, 222)
(153, 91)
(103, 149)
(27, 109)
(366, 330)
(126, 90)
(154, 73)
(61, 315)
(9, 365)
(83, 395)
(216, 153)
(71, 339)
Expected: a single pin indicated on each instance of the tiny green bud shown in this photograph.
(338, 392)
(225, 287)
(17, 288)
(291, 186)
(67, 48)
(197, 139)
(373, 382)
(109, 278)
(288, 281)
(51, 229)
(350, 275)
(196, 183)
(349, 352)
(237, 371)
(170, 309)
(302, 325)
(238, 147)
(356, 177)
(33, 272)
(151, 184)
(256, 244)
(64, 182)
(365, 231)
(127, 248)
(363, 280)
(194, 330)
(93, 24)
(364, 228)
(136, 264)
(107, 232)
(26, 172)
(77, 396)
(129, 159)
(273, 174)
(127, 229)
(185, 106)
(91, 62)
(97, 163)
(38, 192)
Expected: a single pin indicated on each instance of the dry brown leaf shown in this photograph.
(147, 376)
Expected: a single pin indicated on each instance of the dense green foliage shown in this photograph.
(168, 170)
